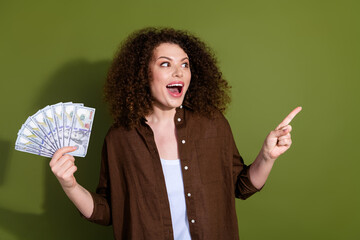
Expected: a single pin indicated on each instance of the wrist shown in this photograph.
(264, 157)
(68, 189)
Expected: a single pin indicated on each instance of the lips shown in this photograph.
(175, 88)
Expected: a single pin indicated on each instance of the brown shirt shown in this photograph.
(132, 196)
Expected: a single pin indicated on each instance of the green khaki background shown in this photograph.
(276, 55)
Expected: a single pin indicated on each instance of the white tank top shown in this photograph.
(175, 190)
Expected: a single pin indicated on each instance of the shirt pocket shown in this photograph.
(210, 156)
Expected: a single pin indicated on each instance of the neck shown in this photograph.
(161, 115)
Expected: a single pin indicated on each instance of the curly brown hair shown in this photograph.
(127, 88)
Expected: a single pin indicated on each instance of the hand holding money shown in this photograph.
(57, 126)
(60, 132)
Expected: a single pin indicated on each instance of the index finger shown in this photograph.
(288, 118)
(59, 153)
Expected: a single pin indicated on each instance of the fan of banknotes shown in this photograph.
(57, 126)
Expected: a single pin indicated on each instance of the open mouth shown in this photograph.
(175, 88)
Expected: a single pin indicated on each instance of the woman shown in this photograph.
(170, 168)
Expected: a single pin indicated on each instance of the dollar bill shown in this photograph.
(34, 128)
(57, 126)
(40, 119)
(32, 151)
(25, 142)
(69, 109)
(81, 129)
(50, 121)
(28, 134)
(58, 113)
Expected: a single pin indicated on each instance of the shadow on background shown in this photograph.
(78, 81)
(4, 153)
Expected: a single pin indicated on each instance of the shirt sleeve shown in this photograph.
(101, 213)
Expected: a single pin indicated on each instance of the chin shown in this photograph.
(168, 105)
(174, 105)
(177, 103)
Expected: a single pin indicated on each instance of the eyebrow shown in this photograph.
(171, 59)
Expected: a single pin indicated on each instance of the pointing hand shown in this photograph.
(279, 140)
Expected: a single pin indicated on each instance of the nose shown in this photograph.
(177, 71)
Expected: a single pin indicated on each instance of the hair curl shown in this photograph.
(127, 88)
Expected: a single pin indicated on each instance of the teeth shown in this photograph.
(175, 85)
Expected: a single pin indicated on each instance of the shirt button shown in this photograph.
(183, 141)
(186, 167)
(189, 194)
(179, 119)
(192, 221)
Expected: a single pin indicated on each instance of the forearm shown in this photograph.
(82, 199)
(63, 167)
(260, 170)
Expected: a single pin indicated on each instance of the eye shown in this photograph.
(185, 65)
(165, 64)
